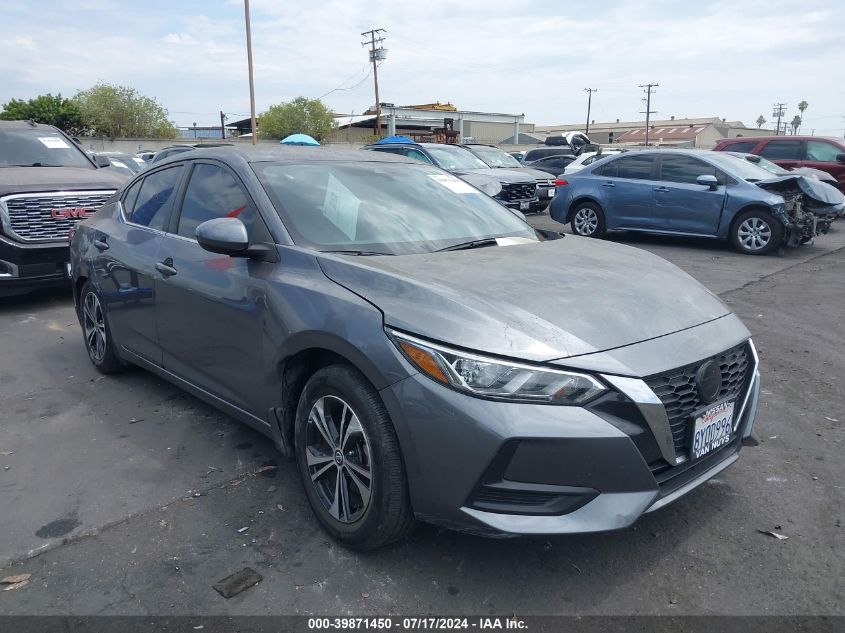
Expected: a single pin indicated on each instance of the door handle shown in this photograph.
(608, 184)
(166, 267)
(661, 189)
(101, 245)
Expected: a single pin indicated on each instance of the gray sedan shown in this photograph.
(411, 343)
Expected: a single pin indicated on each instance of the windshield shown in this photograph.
(768, 165)
(34, 147)
(389, 208)
(452, 158)
(495, 157)
(738, 167)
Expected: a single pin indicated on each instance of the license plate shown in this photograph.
(712, 429)
(552, 192)
(523, 206)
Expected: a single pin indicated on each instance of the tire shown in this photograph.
(338, 401)
(588, 220)
(756, 232)
(96, 332)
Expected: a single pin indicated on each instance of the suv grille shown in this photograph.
(519, 191)
(48, 217)
(676, 390)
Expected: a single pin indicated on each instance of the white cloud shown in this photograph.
(184, 39)
(716, 58)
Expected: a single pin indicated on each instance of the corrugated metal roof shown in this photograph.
(668, 134)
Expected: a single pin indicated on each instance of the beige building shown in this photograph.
(431, 124)
(701, 132)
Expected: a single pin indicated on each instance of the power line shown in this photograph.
(648, 111)
(367, 76)
(376, 55)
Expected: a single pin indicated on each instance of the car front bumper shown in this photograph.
(500, 468)
(27, 267)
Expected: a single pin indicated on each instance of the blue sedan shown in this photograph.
(695, 193)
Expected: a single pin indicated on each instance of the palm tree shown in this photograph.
(801, 107)
(795, 124)
(760, 121)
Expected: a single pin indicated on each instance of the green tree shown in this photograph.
(122, 112)
(761, 120)
(49, 109)
(795, 124)
(300, 116)
(801, 107)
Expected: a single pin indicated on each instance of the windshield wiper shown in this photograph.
(353, 252)
(32, 165)
(488, 241)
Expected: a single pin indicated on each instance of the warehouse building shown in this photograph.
(700, 132)
(431, 122)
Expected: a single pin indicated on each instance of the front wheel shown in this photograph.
(757, 232)
(349, 460)
(588, 220)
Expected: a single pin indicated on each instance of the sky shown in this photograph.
(728, 58)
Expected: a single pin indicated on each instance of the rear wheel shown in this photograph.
(349, 460)
(588, 220)
(757, 232)
(95, 329)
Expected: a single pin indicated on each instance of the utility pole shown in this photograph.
(376, 55)
(589, 92)
(778, 111)
(648, 111)
(222, 125)
(249, 66)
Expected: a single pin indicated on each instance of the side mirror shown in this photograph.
(708, 181)
(101, 161)
(840, 158)
(226, 236)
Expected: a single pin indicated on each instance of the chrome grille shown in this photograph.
(677, 391)
(519, 191)
(47, 217)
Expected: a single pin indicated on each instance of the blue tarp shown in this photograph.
(298, 139)
(395, 139)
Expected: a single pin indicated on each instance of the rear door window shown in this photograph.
(635, 167)
(743, 146)
(155, 198)
(782, 150)
(823, 151)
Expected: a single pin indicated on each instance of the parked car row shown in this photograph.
(488, 168)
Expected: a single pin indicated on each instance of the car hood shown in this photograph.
(539, 302)
(817, 191)
(502, 175)
(41, 179)
(535, 174)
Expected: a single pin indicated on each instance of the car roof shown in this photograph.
(31, 125)
(281, 153)
(782, 137)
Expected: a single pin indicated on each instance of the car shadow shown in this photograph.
(39, 299)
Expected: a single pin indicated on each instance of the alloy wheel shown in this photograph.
(338, 456)
(94, 324)
(586, 221)
(754, 234)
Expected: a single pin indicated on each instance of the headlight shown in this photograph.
(491, 378)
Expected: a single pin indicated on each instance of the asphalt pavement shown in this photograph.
(125, 495)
